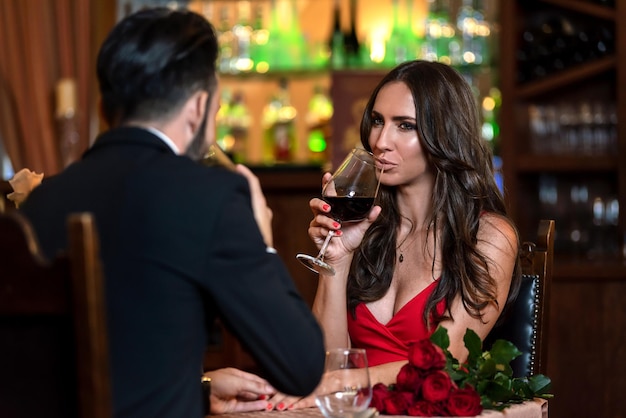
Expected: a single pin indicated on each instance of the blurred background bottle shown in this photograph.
(241, 60)
(474, 32)
(233, 124)
(258, 41)
(352, 45)
(226, 40)
(336, 42)
(279, 137)
(439, 43)
(320, 112)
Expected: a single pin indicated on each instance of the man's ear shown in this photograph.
(211, 125)
(194, 110)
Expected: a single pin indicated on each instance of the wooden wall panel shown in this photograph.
(587, 348)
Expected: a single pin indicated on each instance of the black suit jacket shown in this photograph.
(179, 246)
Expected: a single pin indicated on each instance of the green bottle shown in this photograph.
(336, 43)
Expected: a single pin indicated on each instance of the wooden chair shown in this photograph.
(526, 323)
(53, 340)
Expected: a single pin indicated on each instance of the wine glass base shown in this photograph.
(315, 264)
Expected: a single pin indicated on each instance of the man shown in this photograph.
(180, 242)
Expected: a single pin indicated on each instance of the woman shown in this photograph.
(439, 248)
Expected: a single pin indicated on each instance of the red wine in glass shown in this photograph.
(350, 193)
(349, 209)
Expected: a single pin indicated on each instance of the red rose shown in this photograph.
(464, 402)
(425, 409)
(425, 355)
(409, 379)
(380, 392)
(398, 403)
(436, 386)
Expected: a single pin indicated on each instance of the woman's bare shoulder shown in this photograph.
(498, 231)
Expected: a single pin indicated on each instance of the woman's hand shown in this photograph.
(233, 390)
(350, 233)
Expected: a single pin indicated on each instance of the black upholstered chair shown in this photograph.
(526, 321)
(53, 340)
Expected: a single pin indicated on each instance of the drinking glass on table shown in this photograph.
(350, 193)
(345, 389)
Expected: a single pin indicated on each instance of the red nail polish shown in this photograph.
(338, 233)
(336, 224)
(280, 406)
(269, 407)
(326, 207)
(262, 397)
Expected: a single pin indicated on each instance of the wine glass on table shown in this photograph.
(350, 193)
(345, 390)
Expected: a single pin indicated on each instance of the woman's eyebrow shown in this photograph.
(395, 118)
(402, 118)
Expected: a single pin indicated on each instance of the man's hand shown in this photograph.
(262, 213)
(233, 390)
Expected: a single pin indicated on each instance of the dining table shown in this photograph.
(536, 408)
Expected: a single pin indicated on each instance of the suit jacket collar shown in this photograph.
(129, 135)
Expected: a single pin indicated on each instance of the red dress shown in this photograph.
(385, 343)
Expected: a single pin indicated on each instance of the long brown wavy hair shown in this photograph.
(449, 133)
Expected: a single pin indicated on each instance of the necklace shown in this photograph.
(398, 248)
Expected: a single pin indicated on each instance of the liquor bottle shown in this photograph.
(233, 123)
(279, 117)
(403, 44)
(318, 121)
(294, 40)
(226, 40)
(242, 32)
(439, 42)
(473, 32)
(336, 43)
(275, 43)
(352, 46)
(258, 42)
(395, 48)
(239, 122)
(222, 130)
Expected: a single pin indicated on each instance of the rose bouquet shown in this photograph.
(434, 383)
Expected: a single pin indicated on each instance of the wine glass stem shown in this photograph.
(320, 256)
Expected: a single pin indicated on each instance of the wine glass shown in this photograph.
(345, 389)
(215, 156)
(350, 192)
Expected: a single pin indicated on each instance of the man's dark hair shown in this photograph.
(152, 61)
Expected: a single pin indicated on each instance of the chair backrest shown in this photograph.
(53, 339)
(526, 321)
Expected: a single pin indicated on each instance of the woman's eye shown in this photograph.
(406, 126)
(377, 121)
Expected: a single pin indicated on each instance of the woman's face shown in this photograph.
(394, 138)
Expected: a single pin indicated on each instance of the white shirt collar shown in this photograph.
(164, 138)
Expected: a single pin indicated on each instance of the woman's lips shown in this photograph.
(384, 165)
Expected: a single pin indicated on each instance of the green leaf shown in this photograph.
(490, 372)
(540, 384)
(497, 392)
(504, 351)
(473, 344)
(440, 337)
